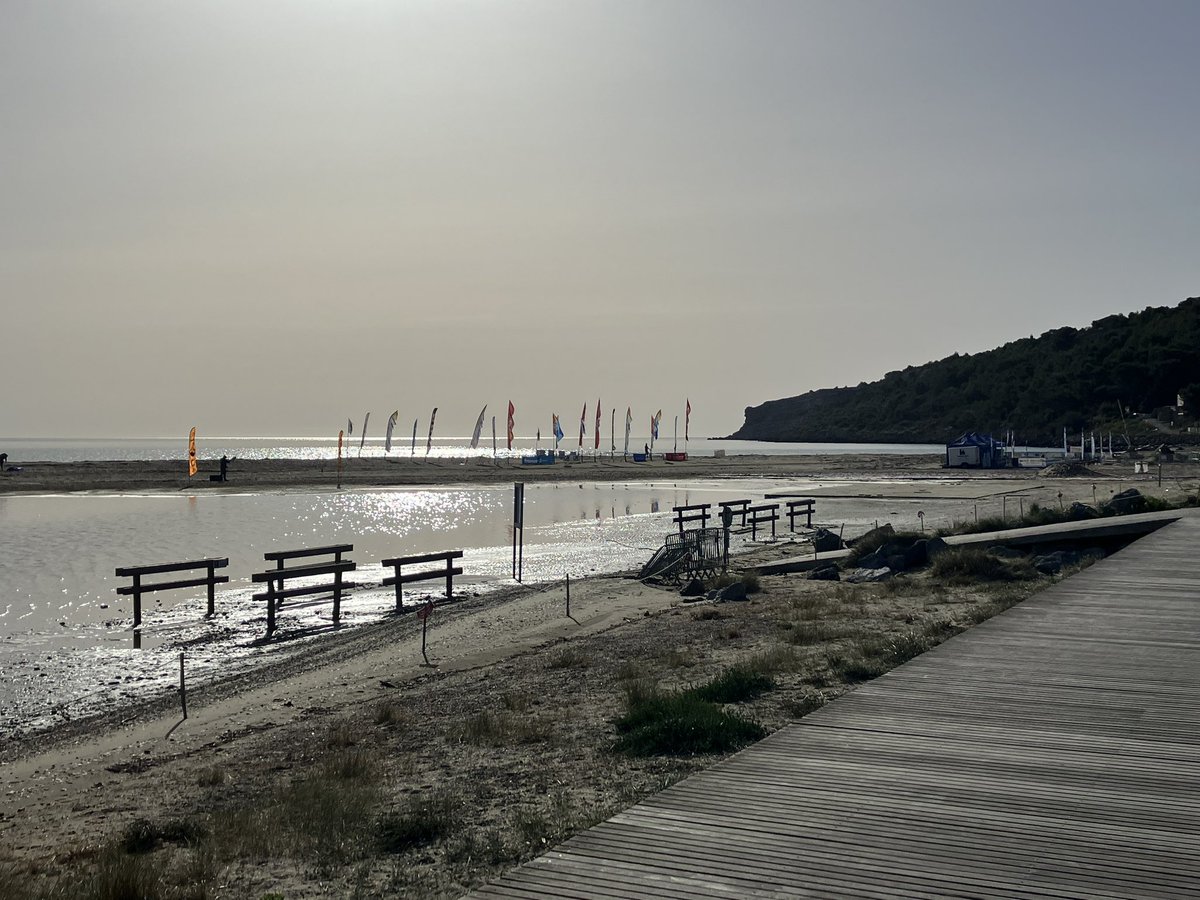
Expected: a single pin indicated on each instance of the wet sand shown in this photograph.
(160, 475)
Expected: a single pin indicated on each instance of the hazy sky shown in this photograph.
(266, 217)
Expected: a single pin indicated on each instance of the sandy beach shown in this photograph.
(54, 477)
(511, 724)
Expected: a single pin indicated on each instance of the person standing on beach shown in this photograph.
(3, 461)
(646, 450)
(224, 467)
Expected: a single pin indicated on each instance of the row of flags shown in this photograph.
(655, 421)
(345, 433)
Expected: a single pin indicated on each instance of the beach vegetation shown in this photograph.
(568, 658)
(968, 565)
(736, 684)
(389, 713)
(679, 723)
(417, 822)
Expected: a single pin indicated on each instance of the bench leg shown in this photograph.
(337, 599)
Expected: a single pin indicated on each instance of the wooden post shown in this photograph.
(271, 605)
(449, 578)
(212, 590)
(137, 600)
(425, 628)
(568, 595)
(337, 598)
(399, 600)
(182, 687)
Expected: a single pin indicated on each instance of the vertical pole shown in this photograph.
(568, 595)
(182, 687)
(137, 600)
(212, 591)
(399, 591)
(518, 528)
(271, 606)
(449, 577)
(774, 517)
(1004, 507)
(1160, 474)
(810, 506)
(425, 630)
(337, 598)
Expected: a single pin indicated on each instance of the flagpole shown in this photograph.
(413, 452)
(493, 437)
(612, 432)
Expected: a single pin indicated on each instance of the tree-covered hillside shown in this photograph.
(1035, 387)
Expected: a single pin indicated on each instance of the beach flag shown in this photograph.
(654, 425)
(387, 441)
(558, 432)
(478, 428)
(511, 409)
(628, 425)
(597, 423)
(413, 451)
(429, 442)
(363, 439)
(192, 467)
(687, 418)
(582, 420)
(349, 428)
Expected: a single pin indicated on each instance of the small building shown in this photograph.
(976, 451)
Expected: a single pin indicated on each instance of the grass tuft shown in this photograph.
(735, 685)
(679, 724)
(568, 658)
(965, 565)
(420, 822)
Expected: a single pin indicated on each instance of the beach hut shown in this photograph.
(975, 451)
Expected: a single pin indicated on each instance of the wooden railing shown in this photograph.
(796, 508)
(276, 579)
(684, 514)
(399, 579)
(210, 580)
(737, 507)
(760, 515)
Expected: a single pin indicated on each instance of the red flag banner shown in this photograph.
(582, 420)
(597, 423)
(192, 466)
(687, 418)
(511, 410)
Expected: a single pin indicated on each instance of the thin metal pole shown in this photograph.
(182, 687)
(568, 595)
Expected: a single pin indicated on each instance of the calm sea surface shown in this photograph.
(65, 635)
(83, 450)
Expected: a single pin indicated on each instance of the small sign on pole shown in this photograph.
(518, 529)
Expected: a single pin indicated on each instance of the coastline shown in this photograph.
(251, 475)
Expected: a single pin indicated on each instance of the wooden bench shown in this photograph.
(800, 508)
(211, 580)
(399, 579)
(277, 578)
(685, 514)
(737, 507)
(760, 515)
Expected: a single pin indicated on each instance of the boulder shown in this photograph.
(1050, 563)
(868, 576)
(694, 588)
(874, 560)
(1077, 512)
(1128, 501)
(935, 547)
(896, 562)
(916, 555)
(735, 591)
(824, 540)
(825, 573)
(883, 532)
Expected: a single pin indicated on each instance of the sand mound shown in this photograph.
(1070, 469)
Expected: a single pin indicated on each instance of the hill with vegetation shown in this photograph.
(1067, 378)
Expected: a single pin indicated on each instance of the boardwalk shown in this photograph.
(1053, 751)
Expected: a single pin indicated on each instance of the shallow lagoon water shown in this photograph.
(65, 639)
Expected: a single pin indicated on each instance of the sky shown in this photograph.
(264, 218)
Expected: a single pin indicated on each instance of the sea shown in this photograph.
(66, 637)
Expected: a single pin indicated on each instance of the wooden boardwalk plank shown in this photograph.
(1051, 752)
